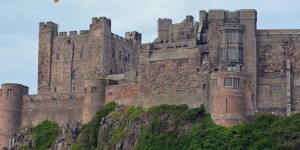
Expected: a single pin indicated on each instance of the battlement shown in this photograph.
(134, 36)
(279, 32)
(220, 14)
(101, 20)
(48, 25)
(117, 37)
(189, 18)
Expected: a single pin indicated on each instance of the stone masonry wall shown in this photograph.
(275, 47)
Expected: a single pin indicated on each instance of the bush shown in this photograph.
(88, 138)
(44, 134)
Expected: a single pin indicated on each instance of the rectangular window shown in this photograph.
(234, 82)
(232, 55)
(161, 69)
(276, 88)
(214, 83)
(277, 74)
(241, 54)
(179, 67)
(94, 90)
(10, 92)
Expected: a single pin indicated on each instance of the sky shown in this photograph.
(20, 23)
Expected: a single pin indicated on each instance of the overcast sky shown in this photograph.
(20, 19)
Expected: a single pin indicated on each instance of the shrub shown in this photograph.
(44, 134)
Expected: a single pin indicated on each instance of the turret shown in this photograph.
(11, 96)
(46, 34)
(101, 34)
(233, 63)
(134, 36)
(163, 26)
(94, 90)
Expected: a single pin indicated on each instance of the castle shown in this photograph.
(223, 61)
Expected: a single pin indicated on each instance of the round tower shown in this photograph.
(94, 100)
(10, 110)
(228, 98)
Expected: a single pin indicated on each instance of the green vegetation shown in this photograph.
(166, 130)
(88, 138)
(44, 134)
(177, 127)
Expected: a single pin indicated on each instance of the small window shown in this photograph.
(55, 90)
(161, 69)
(198, 70)
(144, 70)
(57, 56)
(120, 55)
(179, 67)
(10, 92)
(94, 90)
(204, 87)
(214, 83)
(81, 54)
(276, 88)
(277, 74)
(74, 74)
(73, 89)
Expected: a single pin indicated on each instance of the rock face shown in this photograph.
(120, 131)
(67, 135)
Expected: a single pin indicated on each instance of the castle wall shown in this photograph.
(171, 76)
(124, 94)
(275, 48)
(61, 108)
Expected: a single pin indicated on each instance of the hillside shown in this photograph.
(164, 127)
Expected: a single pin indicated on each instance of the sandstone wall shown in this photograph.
(61, 108)
(275, 48)
(124, 94)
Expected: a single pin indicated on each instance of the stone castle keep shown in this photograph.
(223, 61)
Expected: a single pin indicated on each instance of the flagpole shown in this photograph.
(58, 12)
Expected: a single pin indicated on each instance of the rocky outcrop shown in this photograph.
(67, 135)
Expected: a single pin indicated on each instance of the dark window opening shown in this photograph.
(73, 89)
(94, 90)
(55, 90)
(120, 55)
(111, 72)
(10, 92)
(198, 70)
(57, 56)
(277, 74)
(74, 74)
(128, 58)
(81, 54)
(204, 87)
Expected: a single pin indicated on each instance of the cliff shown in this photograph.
(173, 127)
